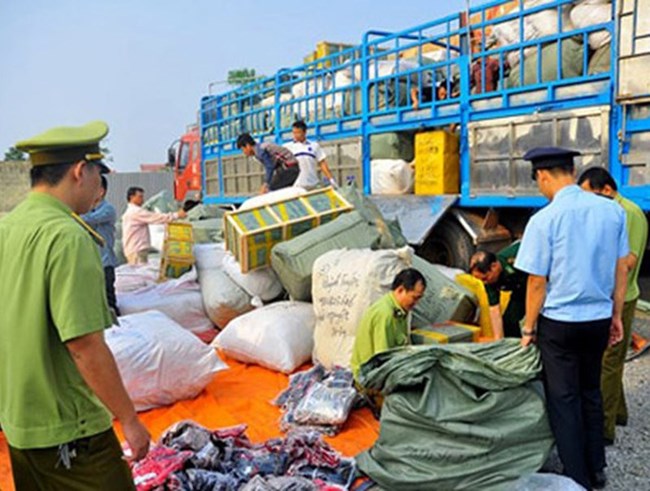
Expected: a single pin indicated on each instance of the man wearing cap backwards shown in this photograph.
(574, 251)
(60, 382)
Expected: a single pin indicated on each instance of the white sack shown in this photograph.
(272, 197)
(391, 176)
(279, 336)
(159, 361)
(223, 298)
(133, 277)
(180, 299)
(537, 25)
(344, 284)
(588, 14)
(209, 255)
(262, 283)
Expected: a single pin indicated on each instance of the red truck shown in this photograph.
(184, 158)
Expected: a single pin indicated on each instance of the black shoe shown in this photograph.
(621, 422)
(599, 480)
(608, 441)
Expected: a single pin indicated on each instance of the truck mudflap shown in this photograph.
(417, 215)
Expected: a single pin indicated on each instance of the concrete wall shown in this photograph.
(14, 184)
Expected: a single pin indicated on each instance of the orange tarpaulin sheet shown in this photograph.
(241, 394)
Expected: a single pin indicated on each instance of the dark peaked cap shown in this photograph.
(550, 157)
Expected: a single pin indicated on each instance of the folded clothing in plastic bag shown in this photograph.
(317, 400)
(160, 362)
(458, 416)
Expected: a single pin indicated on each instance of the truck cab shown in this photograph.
(184, 158)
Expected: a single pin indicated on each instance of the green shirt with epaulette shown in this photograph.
(52, 291)
(383, 326)
(637, 233)
(514, 281)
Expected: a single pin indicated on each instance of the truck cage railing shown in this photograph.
(443, 67)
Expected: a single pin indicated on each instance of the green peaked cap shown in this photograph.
(65, 144)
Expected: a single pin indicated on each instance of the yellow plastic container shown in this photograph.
(446, 332)
(477, 287)
(437, 163)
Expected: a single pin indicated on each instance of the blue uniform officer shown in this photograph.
(574, 252)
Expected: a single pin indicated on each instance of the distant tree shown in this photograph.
(108, 157)
(14, 154)
(241, 76)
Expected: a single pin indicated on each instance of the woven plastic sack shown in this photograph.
(391, 177)
(345, 284)
(159, 361)
(279, 336)
(457, 416)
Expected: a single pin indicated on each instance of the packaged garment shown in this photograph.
(345, 284)
(259, 483)
(159, 361)
(293, 260)
(323, 405)
(443, 299)
(180, 299)
(235, 461)
(262, 283)
(159, 464)
(279, 336)
(457, 416)
(391, 176)
(317, 400)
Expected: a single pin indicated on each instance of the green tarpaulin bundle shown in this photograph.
(461, 416)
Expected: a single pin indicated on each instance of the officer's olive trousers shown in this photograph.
(611, 382)
(572, 354)
(98, 466)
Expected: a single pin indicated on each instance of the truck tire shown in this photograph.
(448, 244)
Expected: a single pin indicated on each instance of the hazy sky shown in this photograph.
(143, 65)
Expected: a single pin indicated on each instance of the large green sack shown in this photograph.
(294, 259)
(392, 145)
(459, 416)
(571, 64)
(443, 298)
(601, 60)
(162, 202)
(391, 233)
(208, 231)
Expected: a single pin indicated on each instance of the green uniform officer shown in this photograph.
(498, 273)
(385, 324)
(60, 382)
(599, 181)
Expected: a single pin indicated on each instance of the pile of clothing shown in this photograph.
(318, 400)
(191, 457)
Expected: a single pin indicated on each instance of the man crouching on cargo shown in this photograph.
(59, 379)
(385, 324)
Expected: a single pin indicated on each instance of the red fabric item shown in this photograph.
(240, 395)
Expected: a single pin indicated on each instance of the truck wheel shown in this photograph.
(448, 244)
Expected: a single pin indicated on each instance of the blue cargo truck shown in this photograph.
(504, 76)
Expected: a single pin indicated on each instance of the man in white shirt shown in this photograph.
(310, 158)
(136, 240)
